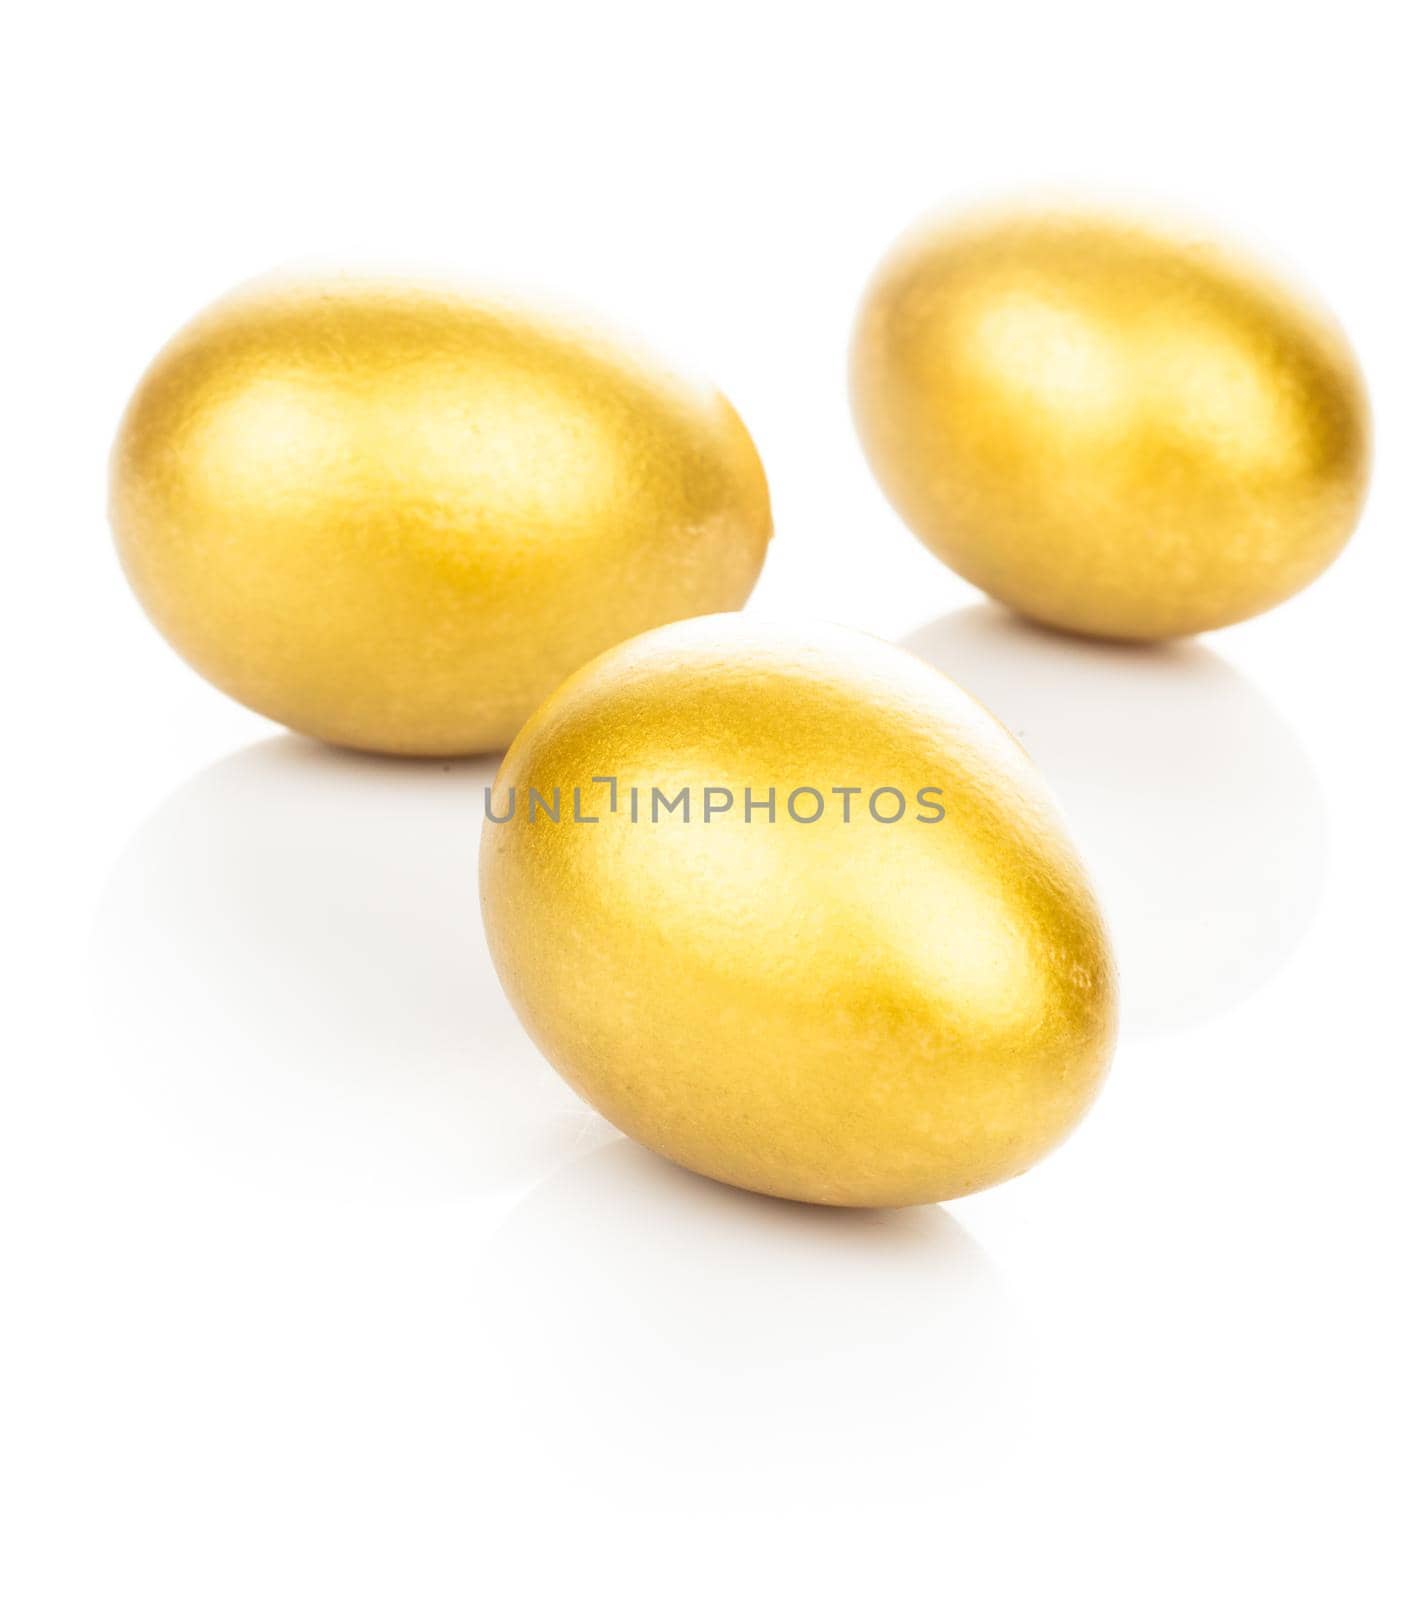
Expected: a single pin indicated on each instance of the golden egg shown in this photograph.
(1109, 425)
(394, 515)
(790, 908)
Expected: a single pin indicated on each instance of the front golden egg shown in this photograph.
(790, 908)
(394, 515)
(1114, 427)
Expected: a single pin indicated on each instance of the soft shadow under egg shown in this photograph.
(1192, 801)
(288, 963)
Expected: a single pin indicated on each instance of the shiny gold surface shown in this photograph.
(1112, 427)
(394, 516)
(855, 1013)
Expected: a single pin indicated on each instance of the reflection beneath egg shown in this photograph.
(672, 1314)
(1192, 801)
(288, 962)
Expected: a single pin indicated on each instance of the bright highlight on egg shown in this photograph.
(851, 957)
(395, 515)
(1112, 426)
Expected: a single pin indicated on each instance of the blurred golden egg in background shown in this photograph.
(394, 515)
(1114, 426)
(851, 957)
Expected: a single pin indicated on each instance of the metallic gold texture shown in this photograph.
(1113, 427)
(395, 516)
(861, 1013)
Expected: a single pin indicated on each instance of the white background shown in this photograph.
(318, 1281)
